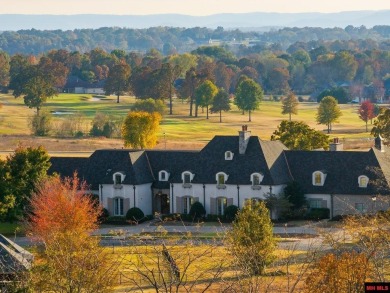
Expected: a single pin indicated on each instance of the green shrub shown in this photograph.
(104, 215)
(230, 213)
(41, 125)
(79, 134)
(197, 210)
(318, 214)
(135, 214)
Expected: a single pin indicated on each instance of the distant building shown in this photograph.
(231, 170)
(75, 85)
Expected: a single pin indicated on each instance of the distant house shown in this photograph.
(14, 260)
(231, 170)
(75, 85)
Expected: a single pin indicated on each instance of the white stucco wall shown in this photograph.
(99, 91)
(143, 195)
(320, 196)
(230, 192)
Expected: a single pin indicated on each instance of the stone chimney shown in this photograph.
(243, 139)
(379, 143)
(336, 146)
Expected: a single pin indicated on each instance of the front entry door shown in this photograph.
(161, 203)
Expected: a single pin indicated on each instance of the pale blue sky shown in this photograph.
(191, 7)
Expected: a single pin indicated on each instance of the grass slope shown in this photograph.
(179, 128)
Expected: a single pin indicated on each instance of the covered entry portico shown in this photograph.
(161, 202)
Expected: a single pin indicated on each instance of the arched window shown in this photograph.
(363, 181)
(221, 178)
(228, 155)
(187, 178)
(163, 175)
(118, 206)
(319, 178)
(256, 179)
(118, 178)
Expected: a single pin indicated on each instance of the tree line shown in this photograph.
(320, 72)
(181, 40)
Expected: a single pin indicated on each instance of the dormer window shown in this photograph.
(187, 178)
(221, 178)
(256, 179)
(319, 178)
(163, 175)
(363, 181)
(228, 155)
(118, 178)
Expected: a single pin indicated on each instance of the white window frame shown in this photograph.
(116, 175)
(361, 183)
(322, 178)
(183, 175)
(318, 202)
(259, 175)
(118, 206)
(229, 155)
(221, 205)
(187, 203)
(225, 178)
(162, 174)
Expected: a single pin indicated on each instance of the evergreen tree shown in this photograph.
(250, 240)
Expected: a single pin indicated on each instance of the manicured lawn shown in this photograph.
(179, 127)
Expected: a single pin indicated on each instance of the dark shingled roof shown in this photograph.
(271, 158)
(66, 166)
(102, 164)
(259, 157)
(174, 162)
(342, 170)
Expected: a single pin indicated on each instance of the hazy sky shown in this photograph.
(191, 7)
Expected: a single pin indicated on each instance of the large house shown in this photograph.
(230, 170)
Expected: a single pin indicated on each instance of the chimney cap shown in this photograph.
(244, 127)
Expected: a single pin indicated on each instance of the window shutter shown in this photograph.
(110, 206)
(126, 205)
(213, 206)
(229, 201)
(179, 204)
(324, 204)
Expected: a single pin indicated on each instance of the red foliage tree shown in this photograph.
(366, 111)
(62, 207)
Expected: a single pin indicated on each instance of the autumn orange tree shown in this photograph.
(339, 273)
(62, 218)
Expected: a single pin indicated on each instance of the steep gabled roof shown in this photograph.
(342, 171)
(174, 162)
(259, 157)
(102, 164)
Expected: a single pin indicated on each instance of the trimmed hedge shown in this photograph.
(197, 210)
(230, 213)
(318, 214)
(135, 214)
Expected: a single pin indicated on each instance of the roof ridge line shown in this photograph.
(150, 167)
